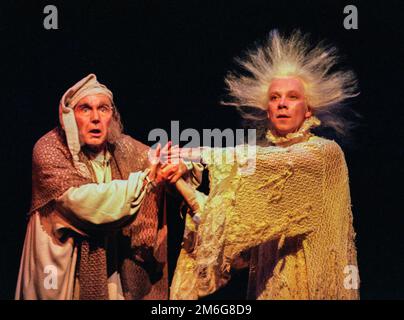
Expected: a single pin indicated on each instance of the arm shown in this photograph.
(278, 201)
(110, 203)
(281, 199)
(195, 199)
(188, 161)
(105, 202)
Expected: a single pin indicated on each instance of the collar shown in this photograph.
(302, 134)
(103, 157)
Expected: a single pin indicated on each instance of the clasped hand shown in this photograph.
(166, 164)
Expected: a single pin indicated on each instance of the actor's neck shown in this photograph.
(92, 152)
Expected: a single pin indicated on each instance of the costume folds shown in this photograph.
(290, 221)
(83, 253)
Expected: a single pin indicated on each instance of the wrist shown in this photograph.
(149, 183)
(188, 164)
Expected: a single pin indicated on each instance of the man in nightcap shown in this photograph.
(96, 226)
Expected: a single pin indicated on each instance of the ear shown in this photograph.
(308, 113)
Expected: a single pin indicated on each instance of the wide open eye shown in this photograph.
(105, 109)
(294, 96)
(84, 109)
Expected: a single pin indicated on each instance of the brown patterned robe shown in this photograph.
(85, 253)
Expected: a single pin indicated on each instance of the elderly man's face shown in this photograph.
(93, 116)
(287, 107)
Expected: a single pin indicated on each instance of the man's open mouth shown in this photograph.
(282, 116)
(95, 131)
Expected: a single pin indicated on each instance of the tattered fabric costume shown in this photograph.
(290, 221)
(94, 232)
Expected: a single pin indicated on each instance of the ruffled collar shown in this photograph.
(302, 134)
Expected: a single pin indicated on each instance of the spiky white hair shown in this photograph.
(279, 57)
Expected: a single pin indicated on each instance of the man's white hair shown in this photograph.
(325, 88)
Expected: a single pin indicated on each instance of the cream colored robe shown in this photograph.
(292, 217)
(44, 256)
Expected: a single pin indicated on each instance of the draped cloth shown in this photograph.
(141, 239)
(291, 216)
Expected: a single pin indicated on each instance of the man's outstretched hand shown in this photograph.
(174, 154)
(171, 170)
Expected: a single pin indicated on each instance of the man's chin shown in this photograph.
(95, 145)
(283, 131)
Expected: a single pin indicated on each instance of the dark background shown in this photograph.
(166, 61)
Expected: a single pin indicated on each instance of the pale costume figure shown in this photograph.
(96, 228)
(289, 220)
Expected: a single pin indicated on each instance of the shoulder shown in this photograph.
(129, 150)
(128, 144)
(332, 153)
(48, 145)
(326, 145)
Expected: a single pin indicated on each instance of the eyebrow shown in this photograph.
(83, 105)
(86, 105)
(288, 92)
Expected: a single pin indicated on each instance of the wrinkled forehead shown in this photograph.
(285, 84)
(95, 100)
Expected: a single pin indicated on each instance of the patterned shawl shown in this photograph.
(142, 243)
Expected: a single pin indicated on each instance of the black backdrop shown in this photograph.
(166, 61)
